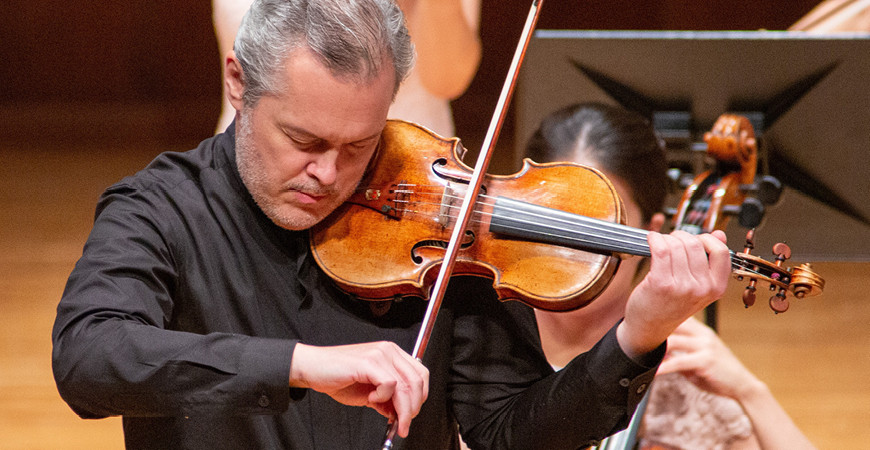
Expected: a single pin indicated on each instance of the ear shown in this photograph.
(233, 80)
(656, 222)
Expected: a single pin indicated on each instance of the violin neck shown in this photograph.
(523, 220)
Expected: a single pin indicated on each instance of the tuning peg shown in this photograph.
(751, 213)
(750, 241)
(749, 294)
(766, 190)
(782, 253)
(779, 302)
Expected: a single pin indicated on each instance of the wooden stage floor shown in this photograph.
(814, 357)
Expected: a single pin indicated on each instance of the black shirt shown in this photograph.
(184, 310)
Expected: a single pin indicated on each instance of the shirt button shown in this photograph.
(624, 382)
(641, 388)
(263, 401)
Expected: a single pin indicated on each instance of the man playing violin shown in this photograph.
(197, 314)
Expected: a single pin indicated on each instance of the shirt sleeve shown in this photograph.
(506, 395)
(113, 353)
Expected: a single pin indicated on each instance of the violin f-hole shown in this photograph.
(467, 241)
(440, 168)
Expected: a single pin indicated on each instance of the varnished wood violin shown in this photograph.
(550, 235)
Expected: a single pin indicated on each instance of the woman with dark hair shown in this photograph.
(724, 406)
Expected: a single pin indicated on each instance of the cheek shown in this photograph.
(288, 165)
(281, 163)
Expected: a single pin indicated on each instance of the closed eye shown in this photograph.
(306, 144)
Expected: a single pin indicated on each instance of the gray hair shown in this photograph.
(352, 38)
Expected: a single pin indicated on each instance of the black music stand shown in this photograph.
(807, 96)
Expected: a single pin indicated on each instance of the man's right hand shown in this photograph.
(379, 375)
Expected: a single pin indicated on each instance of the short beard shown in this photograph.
(256, 180)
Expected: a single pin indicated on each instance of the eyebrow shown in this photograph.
(307, 134)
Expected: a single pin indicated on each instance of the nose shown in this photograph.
(323, 166)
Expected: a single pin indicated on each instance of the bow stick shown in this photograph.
(436, 294)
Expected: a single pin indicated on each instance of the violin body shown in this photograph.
(389, 238)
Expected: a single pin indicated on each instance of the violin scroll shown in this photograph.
(733, 188)
(732, 140)
(801, 281)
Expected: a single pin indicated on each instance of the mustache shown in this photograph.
(311, 187)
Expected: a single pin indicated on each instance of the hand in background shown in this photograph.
(698, 353)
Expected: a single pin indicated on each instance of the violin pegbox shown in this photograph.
(801, 281)
(733, 188)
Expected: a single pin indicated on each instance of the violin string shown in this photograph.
(578, 240)
(584, 222)
(737, 262)
(634, 236)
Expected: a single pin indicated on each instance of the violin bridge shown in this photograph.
(447, 199)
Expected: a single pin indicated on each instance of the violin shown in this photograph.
(385, 241)
(419, 209)
(550, 236)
